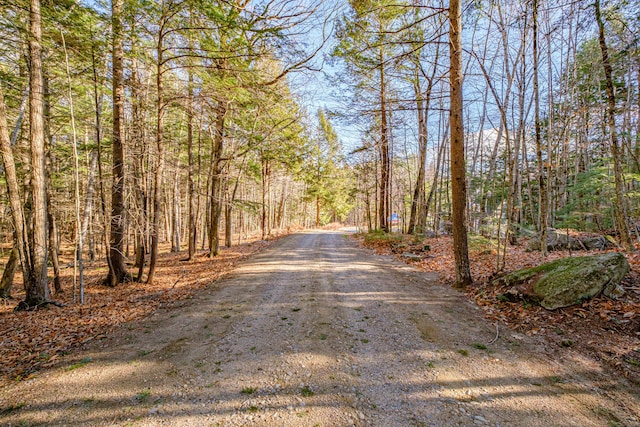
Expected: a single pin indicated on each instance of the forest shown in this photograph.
(130, 128)
(150, 145)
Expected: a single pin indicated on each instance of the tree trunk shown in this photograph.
(50, 163)
(76, 172)
(385, 187)
(98, 133)
(216, 179)
(264, 189)
(280, 212)
(7, 275)
(140, 179)
(89, 195)
(54, 248)
(621, 213)
(157, 190)
(227, 226)
(418, 216)
(543, 200)
(458, 170)
(117, 268)
(175, 223)
(229, 207)
(17, 213)
(434, 185)
(36, 282)
(191, 190)
(417, 202)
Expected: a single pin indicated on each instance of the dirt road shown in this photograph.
(316, 331)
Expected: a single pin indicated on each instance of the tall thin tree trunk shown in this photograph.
(458, 170)
(89, 196)
(98, 133)
(216, 178)
(175, 224)
(140, 180)
(543, 200)
(54, 246)
(50, 162)
(264, 189)
(434, 185)
(36, 282)
(229, 206)
(385, 186)
(76, 167)
(417, 202)
(191, 220)
(11, 178)
(157, 190)
(118, 270)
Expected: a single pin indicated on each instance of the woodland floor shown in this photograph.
(316, 331)
(31, 341)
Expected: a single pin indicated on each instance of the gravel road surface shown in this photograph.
(318, 332)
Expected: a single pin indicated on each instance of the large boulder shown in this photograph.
(597, 242)
(446, 227)
(429, 234)
(558, 240)
(569, 281)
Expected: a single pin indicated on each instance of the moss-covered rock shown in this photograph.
(569, 281)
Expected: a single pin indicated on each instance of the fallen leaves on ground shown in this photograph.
(606, 329)
(32, 340)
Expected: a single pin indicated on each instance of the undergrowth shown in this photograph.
(381, 237)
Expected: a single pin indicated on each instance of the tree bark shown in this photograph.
(385, 162)
(78, 261)
(264, 190)
(191, 220)
(98, 134)
(419, 207)
(175, 223)
(216, 179)
(157, 191)
(36, 282)
(458, 170)
(7, 275)
(89, 195)
(117, 268)
(11, 177)
(50, 164)
(543, 201)
(140, 178)
(229, 207)
(434, 185)
(417, 202)
(54, 247)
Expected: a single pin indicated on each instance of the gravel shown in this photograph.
(316, 331)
